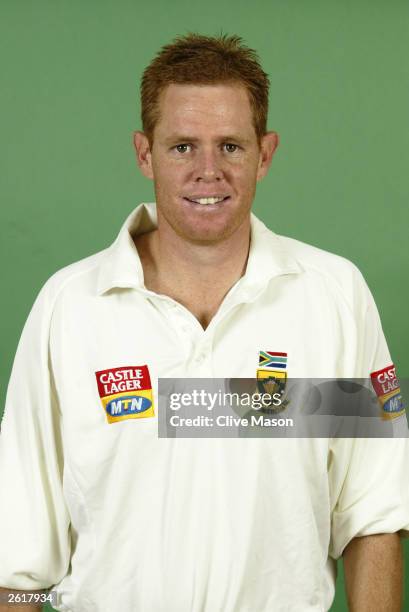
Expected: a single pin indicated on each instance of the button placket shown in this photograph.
(196, 342)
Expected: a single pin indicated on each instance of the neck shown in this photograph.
(196, 275)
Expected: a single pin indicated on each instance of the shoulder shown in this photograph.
(317, 260)
(79, 278)
(340, 275)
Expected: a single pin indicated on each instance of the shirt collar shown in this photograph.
(121, 266)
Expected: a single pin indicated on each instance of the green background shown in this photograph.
(69, 103)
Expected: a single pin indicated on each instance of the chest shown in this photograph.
(316, 338)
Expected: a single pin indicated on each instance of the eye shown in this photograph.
(181, 148)
(230, 147)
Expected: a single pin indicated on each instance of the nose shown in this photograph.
(208, 166)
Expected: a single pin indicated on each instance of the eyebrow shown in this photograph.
(186, 138)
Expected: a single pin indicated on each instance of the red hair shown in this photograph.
(205, 60)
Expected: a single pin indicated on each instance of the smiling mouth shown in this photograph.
(207, 200)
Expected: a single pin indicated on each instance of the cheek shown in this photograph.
(169, 174)
(244, 177)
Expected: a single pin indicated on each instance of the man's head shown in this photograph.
(204, 114)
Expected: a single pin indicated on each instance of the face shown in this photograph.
(205, 160)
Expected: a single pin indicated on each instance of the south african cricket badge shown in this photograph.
(272, 379)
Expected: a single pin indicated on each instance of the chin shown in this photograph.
(205, 235)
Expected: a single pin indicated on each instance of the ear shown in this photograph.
(268, 146)
(143, 154)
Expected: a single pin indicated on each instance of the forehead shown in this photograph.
(221, 107)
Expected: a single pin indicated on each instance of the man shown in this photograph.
(117, 519)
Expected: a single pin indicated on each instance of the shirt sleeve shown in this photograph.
(368, 478)
(34, 521)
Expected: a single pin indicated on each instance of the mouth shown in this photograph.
(207, 200)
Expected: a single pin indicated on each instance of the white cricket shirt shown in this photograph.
(119, 519)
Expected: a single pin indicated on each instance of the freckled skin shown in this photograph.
(205, 143)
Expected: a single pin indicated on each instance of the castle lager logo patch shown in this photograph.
(126, 393)
(387, 388)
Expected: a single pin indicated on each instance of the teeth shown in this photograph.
(207, 200)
